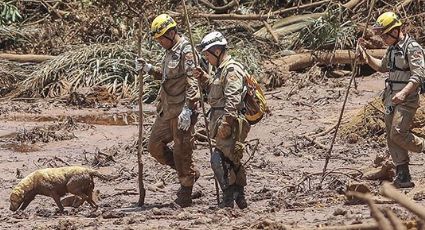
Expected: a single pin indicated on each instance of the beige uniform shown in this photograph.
(405, 63)
(178, 88)
(225, 91)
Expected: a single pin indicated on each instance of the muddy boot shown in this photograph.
(197, 194)
(240, 197)
(403, 179)
(228, 200)
(184, 196)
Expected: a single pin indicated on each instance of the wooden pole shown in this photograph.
(142, 191)
(353, 75)
(201, 94)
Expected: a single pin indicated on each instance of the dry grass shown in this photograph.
(369, 123)
(11, 73)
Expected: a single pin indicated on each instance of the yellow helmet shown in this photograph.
(386, 22)
(161, 24)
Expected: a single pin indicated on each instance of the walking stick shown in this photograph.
(353, 75)
(202, 95)
(142, 191)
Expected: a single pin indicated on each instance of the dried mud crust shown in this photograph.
(283, 191)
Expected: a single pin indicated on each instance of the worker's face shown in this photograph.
(166, 40)
(391, 37)
(208, 54)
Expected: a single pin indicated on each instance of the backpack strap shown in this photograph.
(231, 68)
(405, 52)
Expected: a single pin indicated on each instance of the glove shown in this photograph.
(141, 64)
(361, 51)
(200, 74)
(184, 119)
(224, 130)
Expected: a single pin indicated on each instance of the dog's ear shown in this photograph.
(16, 200)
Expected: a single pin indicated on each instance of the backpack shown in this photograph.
(255, 104)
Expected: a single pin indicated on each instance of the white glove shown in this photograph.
(142, 65)
(184, 119)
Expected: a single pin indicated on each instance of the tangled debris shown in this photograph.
(368, 123)
(57, 132)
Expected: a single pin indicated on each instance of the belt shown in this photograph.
(391, 82)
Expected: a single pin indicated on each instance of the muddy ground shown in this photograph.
(278, 195)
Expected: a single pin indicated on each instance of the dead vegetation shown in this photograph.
(368, 123)
(97, 48)
(88, 61)
(57, 132)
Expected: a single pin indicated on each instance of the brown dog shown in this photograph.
(55, 182)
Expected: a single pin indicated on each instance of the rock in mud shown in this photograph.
(357, 187)
(66, 225)
(340, 212)
(382, 171)
(111, 214)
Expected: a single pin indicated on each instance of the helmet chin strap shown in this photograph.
(395, 38)
(218, 57)
(171, 39)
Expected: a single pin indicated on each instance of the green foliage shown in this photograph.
(9, 13)
(249, 56)
(330, 31)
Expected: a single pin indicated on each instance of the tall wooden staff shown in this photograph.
(201, 94)
(353, 75)
(142, 191)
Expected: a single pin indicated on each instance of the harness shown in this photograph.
(392, 66)
(202, 64)
(391, 63)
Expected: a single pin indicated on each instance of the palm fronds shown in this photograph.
(12, 73)
(8, 13)
(97, 65)
(332, 30)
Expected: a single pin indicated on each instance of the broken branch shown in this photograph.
(228, 16)
(305, 6)
(383, 223)
(228, 6)
(269, 28)
(26, 57)
(322, 146)
(395, 221)
(389, 191)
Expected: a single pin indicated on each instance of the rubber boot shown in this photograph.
(197, 194)
(240, 197)
(228, 200)
(403, 179)
(184, 196)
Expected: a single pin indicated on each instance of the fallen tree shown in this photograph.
(26, 57)
(304, 60)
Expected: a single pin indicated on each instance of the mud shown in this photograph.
(284, 175)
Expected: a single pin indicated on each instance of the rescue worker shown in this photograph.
(176, 110)
(404, 60)
(228, 125)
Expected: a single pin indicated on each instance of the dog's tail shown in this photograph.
(95, 173)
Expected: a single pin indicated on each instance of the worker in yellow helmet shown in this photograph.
(404, 60)
(176, 110)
